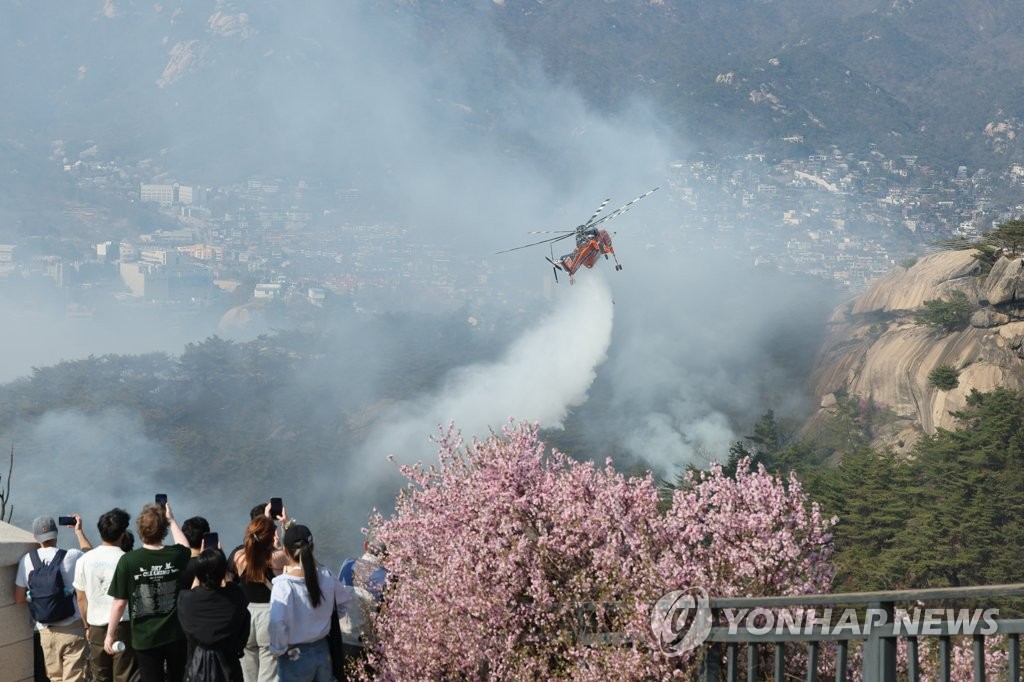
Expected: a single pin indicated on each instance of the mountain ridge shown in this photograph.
(929, 78)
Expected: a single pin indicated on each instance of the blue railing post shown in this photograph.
(913, 664)
(1013, 647)
(978, 644)
(879, 651)
(711, 666)
(944, 658)
(842, 649)
(812, 662)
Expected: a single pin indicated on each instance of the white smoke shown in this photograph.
(69, 462)
(668, 440)
(543, 374)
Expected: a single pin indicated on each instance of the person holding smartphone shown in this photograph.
(62, 632)
(146, 582)
(195, 529)
(256, 563)
(92, 578)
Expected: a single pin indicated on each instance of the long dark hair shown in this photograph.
(301, 549)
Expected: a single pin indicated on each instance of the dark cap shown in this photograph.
(44, 528)
(297, 533)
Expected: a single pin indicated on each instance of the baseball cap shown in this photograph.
(296, 533)
(44, 528)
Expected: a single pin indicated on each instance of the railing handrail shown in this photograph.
(868, 598)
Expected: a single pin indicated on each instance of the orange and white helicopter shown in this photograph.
(591, 241)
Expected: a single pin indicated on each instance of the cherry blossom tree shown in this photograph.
(510, 562)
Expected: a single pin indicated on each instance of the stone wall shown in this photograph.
(15, 626)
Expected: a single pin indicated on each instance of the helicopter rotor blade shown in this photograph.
(622, 209)
(600, 208)
(542, 241)
(593, 221)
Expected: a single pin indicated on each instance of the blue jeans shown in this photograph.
(312, 665)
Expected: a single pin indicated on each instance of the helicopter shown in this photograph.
(591, 241)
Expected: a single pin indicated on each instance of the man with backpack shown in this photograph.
(44, 581)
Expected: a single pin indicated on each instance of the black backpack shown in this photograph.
(50, 603)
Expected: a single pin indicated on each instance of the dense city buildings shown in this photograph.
(843, 216)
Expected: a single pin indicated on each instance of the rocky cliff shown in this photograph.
(876, 350)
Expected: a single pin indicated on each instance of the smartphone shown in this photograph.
(276, 507)
(161, 499)
(211, 540)
(66, 521)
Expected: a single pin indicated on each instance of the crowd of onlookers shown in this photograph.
(134, 608)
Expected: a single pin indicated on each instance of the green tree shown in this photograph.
(944, 378)
(985, 254)
(962, 533)
(872, 493)
(964, 526)
(758, 447)
(948, 316)
(1008, 236)
(950, 514)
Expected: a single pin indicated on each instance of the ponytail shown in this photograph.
(312, 576)
(259, 543)
(298, 542)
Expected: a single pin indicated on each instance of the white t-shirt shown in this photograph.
(67, 570)
(93, 574)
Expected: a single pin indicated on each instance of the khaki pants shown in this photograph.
(257, 663)
(64, 650)
(106, 668)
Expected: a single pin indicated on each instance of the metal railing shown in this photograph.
(879, 660)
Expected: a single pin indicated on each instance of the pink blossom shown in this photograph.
(507, 559)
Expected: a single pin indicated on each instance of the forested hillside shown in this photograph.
(949, 513)
(231, 422)
(225, 424)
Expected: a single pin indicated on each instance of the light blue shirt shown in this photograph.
(293, 619)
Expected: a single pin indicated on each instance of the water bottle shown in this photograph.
(118, 646)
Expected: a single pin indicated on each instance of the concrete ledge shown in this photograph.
(16, 662)
(14, 542)
(15, 623)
